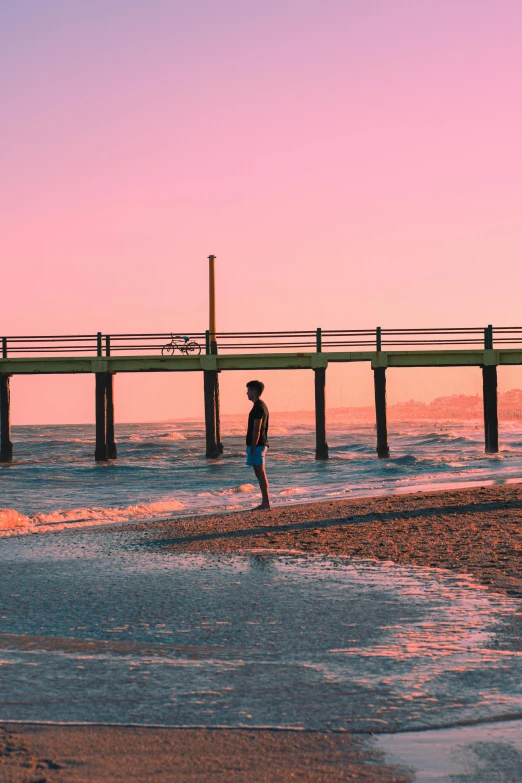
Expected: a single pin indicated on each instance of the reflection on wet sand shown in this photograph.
(253, 640)
(484, 753)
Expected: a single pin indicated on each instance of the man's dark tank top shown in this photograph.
(259, 411)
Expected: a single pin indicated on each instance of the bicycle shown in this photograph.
(181, 343)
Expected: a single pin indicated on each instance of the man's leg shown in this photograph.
(263, 485)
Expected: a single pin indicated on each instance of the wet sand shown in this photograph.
(475, 531)
(96, 754)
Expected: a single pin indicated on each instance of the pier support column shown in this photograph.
(212, 425)
(100, 451)
(218, 418)
(6, 447)
(321, 446)
(379, 383)
(489, 386)
(112, 451)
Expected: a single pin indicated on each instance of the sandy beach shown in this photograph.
(70, 754)
(475, 531)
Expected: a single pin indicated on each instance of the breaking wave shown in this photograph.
(161, 470)
(164, 436)
(239, 488)
(14, 523)
(13, 520)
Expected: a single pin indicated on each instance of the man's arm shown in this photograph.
(255, 434)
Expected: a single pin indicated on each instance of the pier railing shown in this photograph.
(316, 340)
(106, 355)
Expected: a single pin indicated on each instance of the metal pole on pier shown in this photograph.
(6, 447)
(214, 446)
(212, 303)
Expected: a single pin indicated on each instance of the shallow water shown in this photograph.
(161, 470)
(98, 628)
(488, 753)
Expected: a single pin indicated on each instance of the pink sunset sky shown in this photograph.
(351, 164)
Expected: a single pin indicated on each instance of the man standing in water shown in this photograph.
(257, 439)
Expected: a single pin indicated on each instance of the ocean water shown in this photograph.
(103, 626)
(161, 470)
(99, 626)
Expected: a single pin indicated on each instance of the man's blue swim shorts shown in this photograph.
(255, 459)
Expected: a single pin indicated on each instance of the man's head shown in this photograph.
(254, 390)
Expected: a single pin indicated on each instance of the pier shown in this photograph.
(211, 353)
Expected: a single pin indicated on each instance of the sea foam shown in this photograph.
(14, 523)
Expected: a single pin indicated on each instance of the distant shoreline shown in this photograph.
(455, 408)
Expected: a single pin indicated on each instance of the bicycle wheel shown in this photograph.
(193, 347)
(168, 349)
